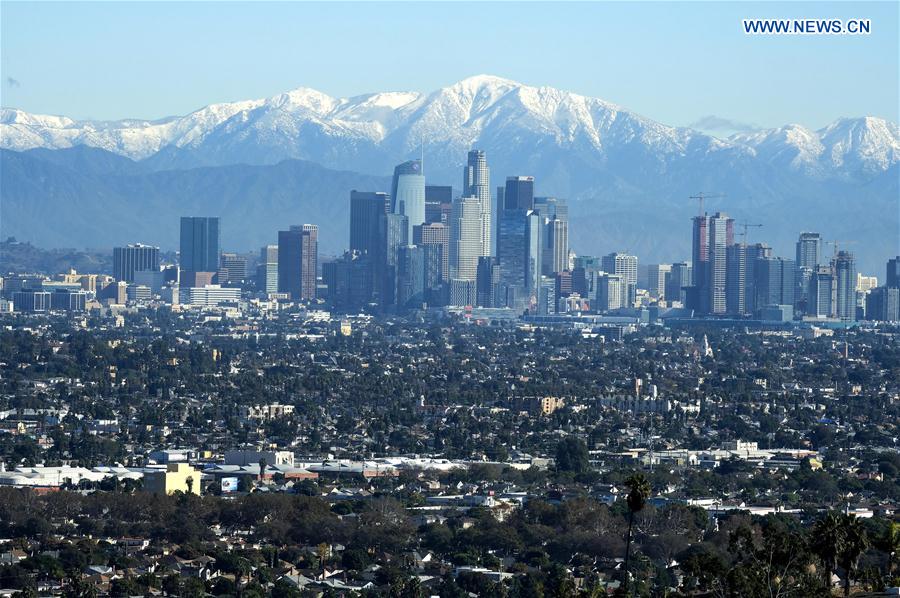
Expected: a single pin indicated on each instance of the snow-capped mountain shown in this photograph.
(627, 177)
(371, 132)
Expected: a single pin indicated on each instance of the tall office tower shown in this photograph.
(534, 248)
(438, 194)
(309, 265)
(721, 235)
(584, 272)
(393, 235)
(437, 234)
(883, 304)
(512, 252)
(552, 207)
(411, 276)
(754, 252)
(465, 238)
(555, 251)
(349, 280)
(408, 193)
(234, 269)
(656, 280)
(199, 249)
(612, 291)
(134, 258)
(563, 284)
(297, 261)
(432, 258)
(366, 211)
(773, 282)
(519, 193)
(698, 296)
(809, 250)
(678, 279)
(267, 270)
(477, 183)
(627, 266)
(487, 285)
(736, 280)
(892, 277)
(438, 203)
(821, 293)
(546, 296)
(809, 254)
(844, 267)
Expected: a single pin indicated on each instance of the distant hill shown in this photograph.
(74, 198)
(16, 256)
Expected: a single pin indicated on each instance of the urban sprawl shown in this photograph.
(459, 405)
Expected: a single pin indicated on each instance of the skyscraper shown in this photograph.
(677, 281)
(465, 238)
(134, 258)
(366, 210)
(298, 257)
(555, 252)
(821, 290)
(626, 266)
(309, 261)
(408, 193)
(737, 282)
(393, 234)
(809, 250)
(612, 291)
(892, 277)
(488, 282)
(844, 267)
(435, 233)
(477, 183)
(519, 193)
(721, 235)
(657, 275)
(699, 293)
(773, 282)
(199, 247)
(809, 254)
(555, 235)
(438, 203)
(267, 270)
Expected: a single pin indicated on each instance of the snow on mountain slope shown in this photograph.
(370, 131)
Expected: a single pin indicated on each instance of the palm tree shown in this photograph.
(262, 469)
(826, 540)
(854, 542)
(639, 492)
(190, 484)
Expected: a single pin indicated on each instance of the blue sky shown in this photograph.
(674, 62)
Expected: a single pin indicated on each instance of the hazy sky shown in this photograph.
(677, 63)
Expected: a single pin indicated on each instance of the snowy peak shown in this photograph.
(366, 132)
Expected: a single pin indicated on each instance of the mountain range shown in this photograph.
(262, 164)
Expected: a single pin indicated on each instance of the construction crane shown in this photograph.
(703, 196)
(837, 244)
(745, 226)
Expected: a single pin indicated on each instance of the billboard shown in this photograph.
(229, 485)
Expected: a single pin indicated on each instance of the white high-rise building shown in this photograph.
(465, 238)
(408, 193)
(477, 183)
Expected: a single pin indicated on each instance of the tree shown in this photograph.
(262, 468)
(190, 484)
(638, 493)
(572, 455)
(854, 542)
(826, 538)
